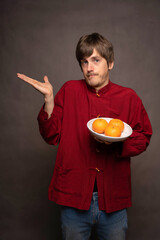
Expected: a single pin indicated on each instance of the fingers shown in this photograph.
(30, 80)
(107, 143)
(22, 76)
(46, 79)
(34, 83)
(101, 141)
(25, 78)
(43, 87)
(98, 140)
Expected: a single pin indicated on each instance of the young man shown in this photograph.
(91, 179)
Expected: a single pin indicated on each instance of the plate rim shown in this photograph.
(108, 137)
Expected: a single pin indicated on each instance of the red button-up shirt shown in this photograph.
(81, 159)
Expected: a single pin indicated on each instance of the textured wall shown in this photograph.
(38, 38)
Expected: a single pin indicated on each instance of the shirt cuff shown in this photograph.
(42, 116)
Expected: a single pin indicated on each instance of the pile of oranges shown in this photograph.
(114, 128)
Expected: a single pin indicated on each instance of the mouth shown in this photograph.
(91, 75)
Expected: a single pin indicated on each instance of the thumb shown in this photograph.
(46, 79)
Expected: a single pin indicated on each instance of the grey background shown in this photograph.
(38, 38)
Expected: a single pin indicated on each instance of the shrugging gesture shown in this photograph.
(43, 87)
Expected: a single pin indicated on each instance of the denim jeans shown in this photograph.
(77, 224)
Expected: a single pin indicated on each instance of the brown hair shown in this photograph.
(87, 43)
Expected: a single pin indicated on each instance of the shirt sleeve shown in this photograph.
(142, 131)
(50, 128)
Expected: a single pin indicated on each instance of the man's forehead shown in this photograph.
(93, 55)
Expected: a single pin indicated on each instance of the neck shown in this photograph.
(98, 88)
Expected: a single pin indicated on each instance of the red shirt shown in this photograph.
(80, 158)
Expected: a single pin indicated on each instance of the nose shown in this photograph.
(90, 67)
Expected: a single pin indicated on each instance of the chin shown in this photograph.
(92, 83)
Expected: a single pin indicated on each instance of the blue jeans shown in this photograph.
(77, 224)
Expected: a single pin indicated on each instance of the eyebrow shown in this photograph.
(93, 57)
(96, 57)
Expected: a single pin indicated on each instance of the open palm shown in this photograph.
(43, 87)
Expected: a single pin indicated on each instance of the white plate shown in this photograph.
(125, 134)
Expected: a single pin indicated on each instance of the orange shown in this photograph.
(117, 123)
(99, 125)
(112, 131)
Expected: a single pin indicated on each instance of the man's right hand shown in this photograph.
(43, 87)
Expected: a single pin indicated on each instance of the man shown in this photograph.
(91, 179)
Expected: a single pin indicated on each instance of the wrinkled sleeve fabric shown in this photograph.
(142, 130)
(50, 129)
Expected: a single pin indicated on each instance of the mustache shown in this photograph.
(92, 74)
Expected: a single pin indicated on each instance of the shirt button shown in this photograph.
(97, 95)
(97, 150)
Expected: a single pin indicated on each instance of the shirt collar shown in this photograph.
(102, 90)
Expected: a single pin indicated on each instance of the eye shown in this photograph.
(84, 62)
(96, 60)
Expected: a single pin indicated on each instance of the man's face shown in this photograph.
(95, 70)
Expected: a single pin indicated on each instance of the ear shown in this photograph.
(111, 64)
